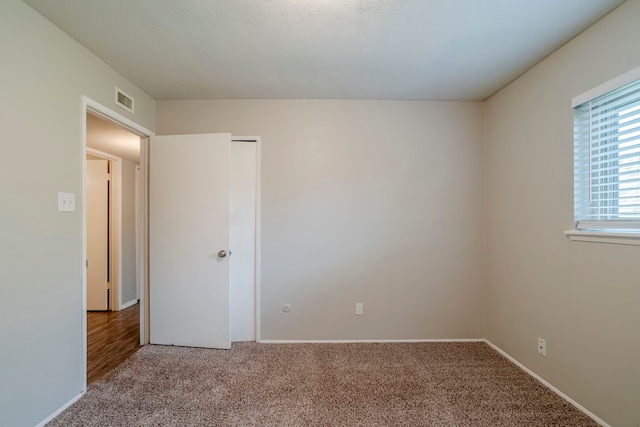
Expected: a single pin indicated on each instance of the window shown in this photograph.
(607, 161)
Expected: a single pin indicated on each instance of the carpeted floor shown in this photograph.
(368, 384)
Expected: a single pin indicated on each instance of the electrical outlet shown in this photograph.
(359, 309)
(542, 347)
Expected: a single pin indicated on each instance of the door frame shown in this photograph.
(258, 141)
(97, 109)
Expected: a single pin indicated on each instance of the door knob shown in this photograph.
(222, 253)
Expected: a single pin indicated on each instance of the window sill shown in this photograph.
(595, 236)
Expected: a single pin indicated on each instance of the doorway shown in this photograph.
(142, 215)
(113, 334)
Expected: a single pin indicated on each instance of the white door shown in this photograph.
(189, 240)
(97, 233)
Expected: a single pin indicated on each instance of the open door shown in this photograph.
(189, 240)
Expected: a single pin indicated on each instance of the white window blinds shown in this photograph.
(607, 160)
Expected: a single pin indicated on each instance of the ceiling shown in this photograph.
(326, 49)
(108, 137)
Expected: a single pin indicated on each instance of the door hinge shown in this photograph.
(87, 263)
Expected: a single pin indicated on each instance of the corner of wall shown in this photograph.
(484, 220)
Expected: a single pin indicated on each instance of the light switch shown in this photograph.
(66, 202)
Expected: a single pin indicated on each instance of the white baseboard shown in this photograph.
(548, 385)
(366, 341)
(59, 411)
(128, 304)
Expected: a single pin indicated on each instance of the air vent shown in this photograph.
(124, 100)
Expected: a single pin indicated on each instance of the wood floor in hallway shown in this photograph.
(112, 336)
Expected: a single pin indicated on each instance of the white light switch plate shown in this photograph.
(66, 202)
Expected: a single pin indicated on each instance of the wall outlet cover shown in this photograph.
(542, 347)
(66, 202)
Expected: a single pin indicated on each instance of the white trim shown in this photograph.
(116, 231)
(128, 304)
(547, 384)
(258, 262)
(258, 238)
(604, 237)
(83, 260)
(143, 216)
(612, 84)
(138, 230)
(115, 227)
(59, 411)
(99, 153)
(89, 105)
(110, 115)
(368, 341)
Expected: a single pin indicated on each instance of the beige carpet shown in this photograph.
(395, 384)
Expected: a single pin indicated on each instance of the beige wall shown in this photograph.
(44, 74)
(581, 297)
(378, 202)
